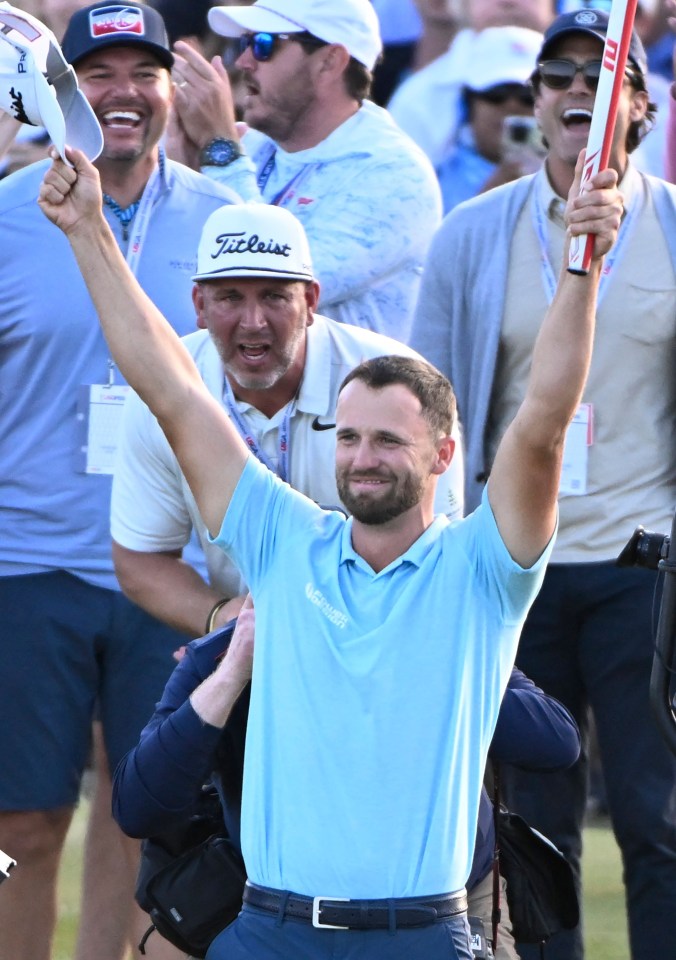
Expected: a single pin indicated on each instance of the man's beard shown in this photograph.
(407, 492)
(261, 379)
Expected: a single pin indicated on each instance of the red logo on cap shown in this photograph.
(116, 20)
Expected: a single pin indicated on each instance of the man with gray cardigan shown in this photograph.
(587, 640)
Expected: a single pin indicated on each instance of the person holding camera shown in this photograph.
(495, 143)
(588, 638)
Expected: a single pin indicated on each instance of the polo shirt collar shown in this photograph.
(556, 205)
(314, 394)
(415, 555)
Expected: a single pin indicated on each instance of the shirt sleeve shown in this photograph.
(240, 176)
(162, 775)
(264, 516)
(440, 298)
(502, 580)
(534, 730)
(148, 508)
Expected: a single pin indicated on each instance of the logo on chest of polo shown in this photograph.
(336, 617)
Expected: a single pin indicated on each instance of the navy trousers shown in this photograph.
(588, 641)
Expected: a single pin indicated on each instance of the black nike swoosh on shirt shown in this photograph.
(316, 425)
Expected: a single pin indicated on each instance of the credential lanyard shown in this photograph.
(142, 219)
(548, 276)
(137, 240)
(284, 433)
(264, 176)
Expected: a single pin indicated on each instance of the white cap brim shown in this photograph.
(60, 105)
(234, 21)
(65, 111)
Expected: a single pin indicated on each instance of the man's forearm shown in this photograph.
(169, 589)
(561, 357)
(215, 698)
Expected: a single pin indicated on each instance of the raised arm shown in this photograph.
(524, 481)
(144, 346)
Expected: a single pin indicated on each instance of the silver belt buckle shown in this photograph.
(316, 922)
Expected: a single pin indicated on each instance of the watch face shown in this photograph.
(220, 153)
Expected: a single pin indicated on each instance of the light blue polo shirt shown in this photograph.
(374, 695)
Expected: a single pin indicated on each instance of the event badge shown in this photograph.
(99, 413)
(579, 439)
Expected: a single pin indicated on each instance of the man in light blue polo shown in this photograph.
(384, 641)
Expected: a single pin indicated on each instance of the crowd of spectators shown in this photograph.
(427, 148)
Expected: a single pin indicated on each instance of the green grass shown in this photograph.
(605, 922)
(69, 887)
(605, 917)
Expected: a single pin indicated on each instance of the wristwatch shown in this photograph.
(219, 152)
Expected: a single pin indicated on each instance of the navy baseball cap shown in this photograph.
(593, 23)
(116, 24)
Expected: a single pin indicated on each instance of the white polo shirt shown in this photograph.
(152, 508)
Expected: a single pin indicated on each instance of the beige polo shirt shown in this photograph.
(631, 463)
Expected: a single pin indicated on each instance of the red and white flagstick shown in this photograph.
(614, 62)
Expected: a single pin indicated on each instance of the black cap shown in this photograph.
(594, 23)
(115, 24)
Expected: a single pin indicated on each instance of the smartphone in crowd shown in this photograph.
(522, 143)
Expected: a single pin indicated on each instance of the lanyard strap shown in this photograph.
(142, 219)
(548, 276)
(284, 433)
(281, 195)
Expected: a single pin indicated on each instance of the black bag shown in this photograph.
(191, 880)
(541, 890)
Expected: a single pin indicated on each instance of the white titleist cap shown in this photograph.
(351, 23)
(39, 87)
(253, 240)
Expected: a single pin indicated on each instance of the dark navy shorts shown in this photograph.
(66, 646)
(259, 935)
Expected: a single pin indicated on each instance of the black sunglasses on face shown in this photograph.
(502, 92)
(559, 74)
(263, 45)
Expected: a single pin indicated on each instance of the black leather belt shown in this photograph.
(338, 914)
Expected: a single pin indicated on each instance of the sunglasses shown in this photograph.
(559, 74)
(263, 45)
(501, 93)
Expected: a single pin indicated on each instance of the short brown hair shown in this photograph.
(424, 381)
(358, 80)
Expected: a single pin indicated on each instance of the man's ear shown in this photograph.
(333, 61)
(198, 303)
(445, 451)
(311, 300)
(639, 105)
